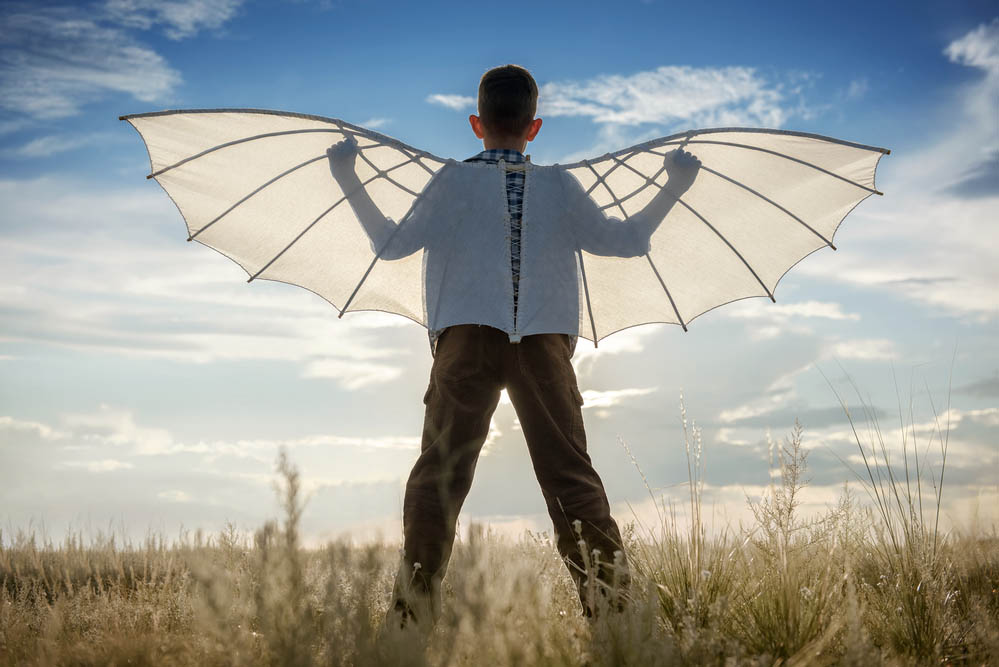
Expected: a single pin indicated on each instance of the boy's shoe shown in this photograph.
(402, 616)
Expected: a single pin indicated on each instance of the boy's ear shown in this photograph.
(533, 129)
(476, 124)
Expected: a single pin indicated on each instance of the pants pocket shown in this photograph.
(426, 396)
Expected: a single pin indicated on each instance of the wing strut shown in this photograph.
(586, 291)
(259, 188)
(769, 201)
(668, 295)
(730, 246)
(782, 155)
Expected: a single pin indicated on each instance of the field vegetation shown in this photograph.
(873, 581)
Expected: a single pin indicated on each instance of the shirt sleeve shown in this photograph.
(600, 234)
(410, 234)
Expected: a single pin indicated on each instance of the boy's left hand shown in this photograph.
(342, 156)
(681, 168)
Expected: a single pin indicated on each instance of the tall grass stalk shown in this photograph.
(854, 586)
(908, 583)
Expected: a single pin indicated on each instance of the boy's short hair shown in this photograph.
(508, 100)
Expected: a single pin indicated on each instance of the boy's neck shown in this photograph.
(503, 145)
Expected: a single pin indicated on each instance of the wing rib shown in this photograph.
(782, 155)
(259, 189)
(668, 295)
(769, 201)
(236, 142)
(600, 181)
(586, 292)
(379, 174)
(730, 246)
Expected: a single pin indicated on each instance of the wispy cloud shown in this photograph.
(600, 401)
(352, 374)
(104, 465)
(101, 283)
(857, 89)
(931, 238)
(179, 18)
(749, 308)
(174, 496)
(56, 143)
(456, 102)
(864, 350)
(375, 123)
(701, 96)
(55, 59)
(978, 48)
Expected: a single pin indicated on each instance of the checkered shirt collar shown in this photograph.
(496, 154)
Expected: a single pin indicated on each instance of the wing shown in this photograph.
(762, 200)
(255, 185)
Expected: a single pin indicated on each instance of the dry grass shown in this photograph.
(856, 586)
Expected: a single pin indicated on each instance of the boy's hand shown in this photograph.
(342, 156)
(681, 168)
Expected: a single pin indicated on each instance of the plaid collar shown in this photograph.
(497, 154)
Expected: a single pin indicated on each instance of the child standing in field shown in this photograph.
(474, 362)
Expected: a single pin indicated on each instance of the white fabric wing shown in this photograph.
(255, 185)
(762, 200)
(435, 246)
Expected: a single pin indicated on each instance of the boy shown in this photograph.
(473, 362)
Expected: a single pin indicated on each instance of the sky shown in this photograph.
(145, 387)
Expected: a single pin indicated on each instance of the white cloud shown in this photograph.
(628, 341)
(352, 374)
(781, 312)
(864, 350)
(593, 398)
(79, 273)
(375, 123)
(40, 430)
(104, 465)
(53, 144)
(180, 18)
(858, 88)
(117, 427)
(492, 437)
(456, 102)
(174, 496)
(932, 238)
(55, 59)
(978, 48)
(699, 96)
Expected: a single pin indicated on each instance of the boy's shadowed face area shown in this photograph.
(492, 139)
(508, 100)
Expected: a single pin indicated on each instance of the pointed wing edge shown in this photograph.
(689, 134)
(773, 291)
(383, 138)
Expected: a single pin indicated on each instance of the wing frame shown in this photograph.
(337, 126)
(681, 140)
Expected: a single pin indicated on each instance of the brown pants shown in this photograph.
(472, 363)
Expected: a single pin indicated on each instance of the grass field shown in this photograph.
(867, 583)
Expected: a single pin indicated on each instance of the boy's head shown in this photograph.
(508, 100)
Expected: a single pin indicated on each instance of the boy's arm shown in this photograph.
(378, 228)
(601, 234)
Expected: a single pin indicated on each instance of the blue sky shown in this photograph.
(142, 379)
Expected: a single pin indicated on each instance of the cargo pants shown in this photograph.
(472, 363)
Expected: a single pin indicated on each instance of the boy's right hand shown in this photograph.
(681, 168)
(342, 156)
